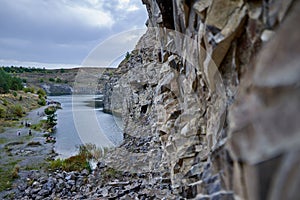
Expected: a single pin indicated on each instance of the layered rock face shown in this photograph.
(210, 99)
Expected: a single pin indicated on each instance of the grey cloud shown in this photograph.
(61, 31)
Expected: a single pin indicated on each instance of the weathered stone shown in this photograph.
(35, 190)
(200, 69)
(43, 192)
(71, 176)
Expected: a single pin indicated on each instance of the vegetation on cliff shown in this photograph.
(14, 106)
(51, 117)
(40, 77)
(80, 161)
(8, 82)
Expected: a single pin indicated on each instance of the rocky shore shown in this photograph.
(101, 183)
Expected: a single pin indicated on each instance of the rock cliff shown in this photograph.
(210, 99)
(57, 89)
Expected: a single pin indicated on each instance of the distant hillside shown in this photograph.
(62, 81)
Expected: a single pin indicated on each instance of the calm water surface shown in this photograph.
(80, 123)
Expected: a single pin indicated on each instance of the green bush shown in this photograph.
(58, 80)
(42, 101)
(2, 111)
(7, 82)
(41, 92)
(20, 98)
(39, 126)
(51, 79)
(28, 89)
(15, 94)
(74, 163)
(51, 116)
(16, 84)
(56, 164)
(127, 56)
(77, 163)
(5, 103)
(17, 110)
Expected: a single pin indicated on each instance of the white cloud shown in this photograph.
(85, 12)
(91, 16)
(127, 5)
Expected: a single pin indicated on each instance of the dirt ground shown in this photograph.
(22, 153)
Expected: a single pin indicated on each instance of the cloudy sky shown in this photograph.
(65, 32)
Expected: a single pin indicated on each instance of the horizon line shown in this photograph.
(40, 65)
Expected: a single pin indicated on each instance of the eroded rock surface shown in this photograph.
(210, 99)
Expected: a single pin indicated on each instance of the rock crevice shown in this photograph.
(202, 94)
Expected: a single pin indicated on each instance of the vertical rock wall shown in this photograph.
(210, 98)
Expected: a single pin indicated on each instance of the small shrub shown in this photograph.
(58, 80)
(2, 111)
(18, 110)
(28, 89)
(2, 141)
(41, 92)
(46, 135)
(5, 102)
(51, 116)
(74, 163)
(42, 101)
(77, 163)
(56, 164)
(15, 94)
(20, 98)
(15, 172)
(85, 150)
(38, 126)
(91, 151)
(51, 80)
(127, 56)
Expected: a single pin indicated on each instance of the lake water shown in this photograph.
(80, 123)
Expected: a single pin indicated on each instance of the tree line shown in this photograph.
(14, 69)
(19, 70)
(8, 82)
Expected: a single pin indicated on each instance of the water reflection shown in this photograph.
(82, 121)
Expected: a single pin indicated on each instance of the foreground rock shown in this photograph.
(103, 183)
